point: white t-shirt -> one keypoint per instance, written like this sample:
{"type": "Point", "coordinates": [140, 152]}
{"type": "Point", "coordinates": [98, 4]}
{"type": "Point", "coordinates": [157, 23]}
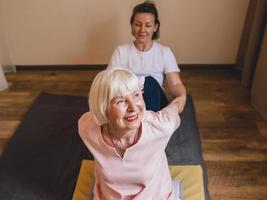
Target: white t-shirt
{"type": "Point", "coordinates": [155, 62]}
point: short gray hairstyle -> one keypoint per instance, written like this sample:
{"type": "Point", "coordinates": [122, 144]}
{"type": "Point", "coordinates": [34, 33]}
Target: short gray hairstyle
{"type": "Point", "coordinates": [108, 84]}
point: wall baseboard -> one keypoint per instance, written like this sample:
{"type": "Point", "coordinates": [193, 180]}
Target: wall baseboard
{"type": "Point", "coordinates": [103, 66]}
{"type": "Point", "coordinates": [207, 66]}
{"type": "Point", "coordinates": [60, 67]}
{"type": "Point", "coordinates": [9, 68]}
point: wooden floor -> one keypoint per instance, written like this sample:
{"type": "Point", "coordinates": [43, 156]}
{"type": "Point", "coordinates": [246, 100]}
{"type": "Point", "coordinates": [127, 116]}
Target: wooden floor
{"type": "Point", "coordinates": [234, 135]}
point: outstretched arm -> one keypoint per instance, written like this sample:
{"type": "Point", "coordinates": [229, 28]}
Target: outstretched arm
{"type": "Point", "coordinates": [177, 89]}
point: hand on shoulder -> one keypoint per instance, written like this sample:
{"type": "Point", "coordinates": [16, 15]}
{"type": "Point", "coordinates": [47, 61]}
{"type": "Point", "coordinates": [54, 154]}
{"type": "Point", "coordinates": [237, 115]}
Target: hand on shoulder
{"type": "Point", "coordinates": [180, 102]}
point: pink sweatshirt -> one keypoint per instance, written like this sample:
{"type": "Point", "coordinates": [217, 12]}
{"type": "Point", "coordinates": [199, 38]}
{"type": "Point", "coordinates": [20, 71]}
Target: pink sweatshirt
{"type": "Point", "coordinates": [142, 173]}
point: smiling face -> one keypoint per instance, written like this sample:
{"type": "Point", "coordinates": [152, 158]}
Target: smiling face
{"type": "Point", "coordinates": [143, 27]}
{"type": "Point", "coordinates": [126, 112]}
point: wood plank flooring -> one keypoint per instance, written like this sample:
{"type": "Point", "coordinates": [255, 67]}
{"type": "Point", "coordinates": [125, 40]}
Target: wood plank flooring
{"type": "Point", "coordinates": [234, 135]}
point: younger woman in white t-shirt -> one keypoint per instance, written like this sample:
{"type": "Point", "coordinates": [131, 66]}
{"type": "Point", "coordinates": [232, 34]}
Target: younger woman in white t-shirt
{"type": "Point", "coordinates": [149, 60]}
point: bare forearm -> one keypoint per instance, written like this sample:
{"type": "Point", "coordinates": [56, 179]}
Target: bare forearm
{"type": "Point", "coordinates": [180, 93]}
{"type": "Point", "coordinates": [178, 90]}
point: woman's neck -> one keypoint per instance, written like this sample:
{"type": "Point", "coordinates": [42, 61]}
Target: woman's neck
{"type": "Point", "coordinates": [121, 140]}
{"type": "Point", "coordinates": [120, 134]}
{"type": "Point", "coordinates": [143, 46]}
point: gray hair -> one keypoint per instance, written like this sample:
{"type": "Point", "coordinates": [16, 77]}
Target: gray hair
{"type": "Point", "coordinates": [108, 84]}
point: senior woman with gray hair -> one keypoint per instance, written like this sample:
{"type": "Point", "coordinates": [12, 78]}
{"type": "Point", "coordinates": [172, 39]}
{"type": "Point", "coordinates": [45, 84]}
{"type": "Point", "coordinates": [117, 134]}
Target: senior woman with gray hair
{"type": "Point", "coordinates": [127, 142]}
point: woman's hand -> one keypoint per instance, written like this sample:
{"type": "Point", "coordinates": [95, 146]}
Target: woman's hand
{"type": "Point", "coordinates": [177, 89]}
{"type": "Point", "coordinates": [180, 102]}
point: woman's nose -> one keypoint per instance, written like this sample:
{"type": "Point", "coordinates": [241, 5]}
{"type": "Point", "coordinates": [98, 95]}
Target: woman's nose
{"type": "Point", "coordinates": [131, 106]}
{"type": "Point", "coordinates": [142, 28]}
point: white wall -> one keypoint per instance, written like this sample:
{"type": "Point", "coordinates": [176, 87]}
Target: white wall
{"type": "Point", "coordinates": [41, 32]}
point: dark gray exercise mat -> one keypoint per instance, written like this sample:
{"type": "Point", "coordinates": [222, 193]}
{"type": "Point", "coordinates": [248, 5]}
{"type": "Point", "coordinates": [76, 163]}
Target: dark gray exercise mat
{"type": "Point", "coordinates": [43, 158]}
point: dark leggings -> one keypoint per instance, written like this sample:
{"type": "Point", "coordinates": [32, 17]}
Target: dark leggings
{"type": "Point", "coordinates": [154, 96]}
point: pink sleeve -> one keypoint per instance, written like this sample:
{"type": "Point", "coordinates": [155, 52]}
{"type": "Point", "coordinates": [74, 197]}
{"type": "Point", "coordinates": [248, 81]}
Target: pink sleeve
{"type": "Point", "coordinates": [167, 120]}
{"type": "Point", "coordinates": [170, 117]}
{"type": "Point", "coordinates": [86, 124]}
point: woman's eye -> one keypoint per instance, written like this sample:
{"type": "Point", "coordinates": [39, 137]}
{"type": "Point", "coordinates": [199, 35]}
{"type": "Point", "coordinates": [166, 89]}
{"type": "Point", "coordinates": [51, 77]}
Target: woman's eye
{"type": "Point", "coordinates": [137, 96]}
{"type": "Point", "coordinates": [120, 101]}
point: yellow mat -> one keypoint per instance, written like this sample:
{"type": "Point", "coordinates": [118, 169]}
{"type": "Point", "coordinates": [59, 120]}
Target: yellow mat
{"type": "Point", "coordinates": [191, 176]}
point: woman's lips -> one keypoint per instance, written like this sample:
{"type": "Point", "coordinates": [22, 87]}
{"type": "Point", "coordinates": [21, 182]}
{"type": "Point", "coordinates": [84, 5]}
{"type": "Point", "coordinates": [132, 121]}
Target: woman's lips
{"type": "Point", "coordinates": [131, 118]}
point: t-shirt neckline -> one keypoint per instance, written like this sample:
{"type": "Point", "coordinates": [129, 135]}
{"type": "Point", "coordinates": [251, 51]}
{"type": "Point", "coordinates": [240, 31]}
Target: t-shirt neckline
{"type": "Point", "coordinates": [143, 52]}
